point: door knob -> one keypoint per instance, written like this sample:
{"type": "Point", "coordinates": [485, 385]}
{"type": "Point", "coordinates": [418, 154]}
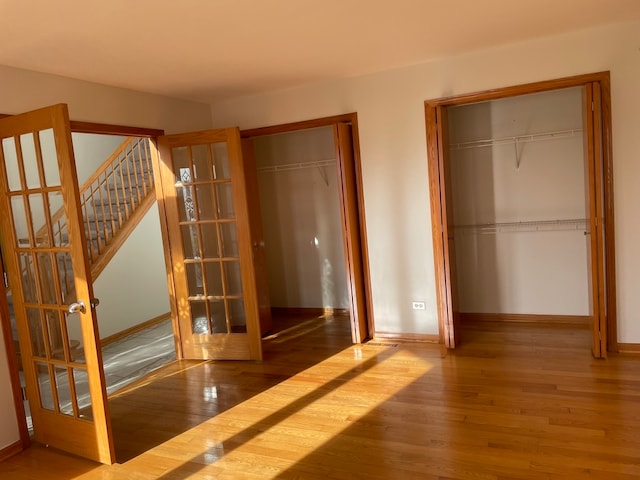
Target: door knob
{"type": "Point", "coordinates": [77, 307]}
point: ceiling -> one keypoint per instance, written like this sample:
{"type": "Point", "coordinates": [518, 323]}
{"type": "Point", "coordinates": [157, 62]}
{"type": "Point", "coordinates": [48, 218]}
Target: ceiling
{"type": "Point", "coordinates": [205, 50]}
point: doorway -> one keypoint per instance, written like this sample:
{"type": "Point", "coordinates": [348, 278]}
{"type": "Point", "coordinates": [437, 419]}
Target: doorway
{"type": "Point", "coordinates": [312, 219]}
{"type": "Point", "coordinates": [455, 215]}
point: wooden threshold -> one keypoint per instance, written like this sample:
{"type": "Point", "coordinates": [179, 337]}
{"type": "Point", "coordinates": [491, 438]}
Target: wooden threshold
{"type": "Point", "coordinates": [582, 320]}
{"type": "Point", "coordinates": [408, 337]}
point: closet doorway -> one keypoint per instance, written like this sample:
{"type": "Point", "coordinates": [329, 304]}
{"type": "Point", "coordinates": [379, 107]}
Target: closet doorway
{"type": "Point", "coordinates": [522, 206]}
{"type": "Point", "coordinates": [311, 254]}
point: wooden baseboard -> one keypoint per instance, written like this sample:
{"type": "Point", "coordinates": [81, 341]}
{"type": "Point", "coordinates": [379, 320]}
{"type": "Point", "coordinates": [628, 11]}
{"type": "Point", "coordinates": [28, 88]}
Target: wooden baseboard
{"type": "Point", "coordinates": [407, 337]}
{"type": "Point", "coordinates": [308, 311]}
{"type": "Point", "coordinates": [526, 318]}
{"type": "Point", "coordinates": [629, 348]}
{"type": "Point", "coordinates": [11, 450]}
{"type": "Point", "coordinates": [136, 328]}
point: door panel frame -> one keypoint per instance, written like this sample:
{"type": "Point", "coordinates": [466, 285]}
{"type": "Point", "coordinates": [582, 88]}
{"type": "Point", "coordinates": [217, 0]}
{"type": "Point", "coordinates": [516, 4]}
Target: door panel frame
{"type": "Point", "coordinates": [247, 346]}
{"type": "Point", "coordinates": [438, 189]}
{"type": "Point", "coordinates": [5, 321]}
{"type": "Point", "coordinates": [93, 439]}
{"type": "Point", "coordinates": [362, 323]}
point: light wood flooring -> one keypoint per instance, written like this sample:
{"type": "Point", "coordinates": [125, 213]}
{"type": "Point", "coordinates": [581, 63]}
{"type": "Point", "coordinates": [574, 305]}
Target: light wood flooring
{"type": "Point", "coordinates": [515, 401]}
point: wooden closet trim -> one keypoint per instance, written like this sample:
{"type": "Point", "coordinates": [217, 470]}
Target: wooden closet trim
{"type": "Point", "coordinates": [433, 110]}
{"type": "Point", "coordinates": [351, 118]}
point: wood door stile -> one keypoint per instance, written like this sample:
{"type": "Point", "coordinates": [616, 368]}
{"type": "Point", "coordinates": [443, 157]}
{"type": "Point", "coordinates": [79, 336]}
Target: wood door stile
{"type": "Point", "coordinates": [77, 431]}
{"type": "Point", "coordinates": [351, 231]}
{"type": "Point", "coordinates": [594, 193]}
{"type": "Point", "coordinates": [257, 236]}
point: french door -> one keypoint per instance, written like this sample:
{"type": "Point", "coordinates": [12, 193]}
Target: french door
{"type": "Point", "coordinates": [48, 272]}
{"type": "Point", "coordinates": [208, 243]}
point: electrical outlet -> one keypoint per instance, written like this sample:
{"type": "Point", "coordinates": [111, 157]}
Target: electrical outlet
{"type": "Point", "coordinates": [418, 305]}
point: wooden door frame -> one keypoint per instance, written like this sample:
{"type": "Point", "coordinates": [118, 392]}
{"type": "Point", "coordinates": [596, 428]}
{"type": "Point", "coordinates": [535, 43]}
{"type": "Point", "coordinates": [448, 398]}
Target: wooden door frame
{"type": "Point", "coordinates": [5, 322]}
{"type": "Point", "coordinates": [436, 159]}
{"type": "Point", "coordinates": [355, 226]}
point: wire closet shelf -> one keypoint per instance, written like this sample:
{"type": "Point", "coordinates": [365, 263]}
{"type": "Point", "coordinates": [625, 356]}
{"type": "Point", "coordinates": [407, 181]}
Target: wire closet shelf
{"type": "Point", "coordinates": [570, 224]}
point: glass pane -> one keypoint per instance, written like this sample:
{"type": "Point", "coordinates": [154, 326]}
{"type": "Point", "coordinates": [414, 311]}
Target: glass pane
{"type": "Point", "coordinates": [44, 386]}
{"type": "Point", "coordinates": [27, 267]}
{"type": "Point", "coordinates": [224, 194]}
{"type": "Point", "coordinates": [199, 321]}
{"type": "Point", "coordinates": [186, 209]}
{"type": "Point", "coordinates": [64, 390]}
{"type": "Point", "coordinates": [71, 322]}
{"type": "Point", "coordinates": [56, 341]}
{"type": "Point", "coordinates": [60, 235]}
{"type": "Point", "coordinates": [83, 397]}
{"type": "Point", "coordinates": [238, 319]}
{"type": "Point", "coordinates": [190, 241]}
{"type": "Point", "coordinates": [206, 208]}
{"type": "Point", "coordinates": [180, 156]}
{"type": "Point", "coordinates": [36, 333]}
{"type": "Point", "coordinates": [214, 279]}
{"type": "Point", "coordinates": [194, 279]}
{"type": "Point", "coordinates": [218, 318]}
{"type": "Point", "coordinates": [11, 163]}
{"type": "Point", "coordinates": [29, 160]}
{"type": "Point", "coordinates": [229, 240]}
{"type": "Point", "coordinates": [201, 162]}
{"type": "Point", "coordinates": [210, 240]}
{"type": "Point", "coordinates": [38, 220]}
{"type": "Point", "coordinates": [66, 277]}
{"type": "Point", "coordinates": [220, 161]}
{"type": "Point", "coordinates": [20, 221]}
{"type": "Point", "coordinates": [46, 277]}
{"type": "Point", "coordinates": [49, 158]}
{"type": "Point", "coordinates": [233, 278]}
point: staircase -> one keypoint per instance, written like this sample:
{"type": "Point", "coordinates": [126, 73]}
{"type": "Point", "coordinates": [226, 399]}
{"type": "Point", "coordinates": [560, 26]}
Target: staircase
{"type": "Point", "coordinates": [113, 201]}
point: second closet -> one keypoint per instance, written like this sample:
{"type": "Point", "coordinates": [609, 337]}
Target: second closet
{"type": "Point", "coordinates": [517, 170]}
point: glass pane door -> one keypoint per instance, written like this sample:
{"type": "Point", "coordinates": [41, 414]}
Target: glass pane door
{"type": "Point", "coordinates": [205, 201]}
{"type": "Point", "coordinates": [46, 262]}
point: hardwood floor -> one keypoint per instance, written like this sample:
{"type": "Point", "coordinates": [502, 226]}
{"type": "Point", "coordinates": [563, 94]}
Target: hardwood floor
{"type": "Point", "coordinates": [515, 401]}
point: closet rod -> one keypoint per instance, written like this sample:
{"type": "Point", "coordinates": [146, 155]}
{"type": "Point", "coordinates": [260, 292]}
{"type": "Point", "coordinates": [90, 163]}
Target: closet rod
{"type": "Point", "coordinates": [297, 166]}
{"type": "Point", "coordinates": [490, 142]}
{"type": "Point", "coordinates": [568, 224]}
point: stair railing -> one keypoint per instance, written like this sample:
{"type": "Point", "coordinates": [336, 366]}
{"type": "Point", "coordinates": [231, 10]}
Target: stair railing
{"type": "Point", "coordinates": [109, 197]}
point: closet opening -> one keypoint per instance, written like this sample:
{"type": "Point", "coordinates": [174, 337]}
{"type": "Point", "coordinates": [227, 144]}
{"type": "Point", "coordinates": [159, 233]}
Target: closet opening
{"type": "Point", "coordinates": [311, 260]}
{"type": "Point", "coordinates": [522, 207]}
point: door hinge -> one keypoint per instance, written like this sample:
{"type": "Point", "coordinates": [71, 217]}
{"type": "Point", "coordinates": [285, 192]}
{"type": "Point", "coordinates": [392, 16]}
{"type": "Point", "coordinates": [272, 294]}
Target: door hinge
{"type": "Point", "coordinates": [6, 279]}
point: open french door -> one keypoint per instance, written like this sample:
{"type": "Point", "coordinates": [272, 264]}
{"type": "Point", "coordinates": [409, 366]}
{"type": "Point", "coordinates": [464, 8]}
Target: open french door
{"type": "Point", "coordinates": [48, 272]}
{"type": "Point", "coordinates": [210, 257]}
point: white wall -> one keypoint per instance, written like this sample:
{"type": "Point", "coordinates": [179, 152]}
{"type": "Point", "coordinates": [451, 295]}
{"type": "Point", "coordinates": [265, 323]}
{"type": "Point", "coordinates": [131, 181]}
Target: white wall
{"type": "Point", "coordinates": [133, 286]}
{"type": "Point", "coordinates": [392, 142]}
{"type": "Point", "coordinates": [520, 271]}
{"type": "Point", "coordinates": [22, 90]}
{"type": "Point", "coordinates": [301, 220]}
{"type": "Point", "coordinates": [9, 433]}
{"type": "Point", "coordinates": [91, 150]}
